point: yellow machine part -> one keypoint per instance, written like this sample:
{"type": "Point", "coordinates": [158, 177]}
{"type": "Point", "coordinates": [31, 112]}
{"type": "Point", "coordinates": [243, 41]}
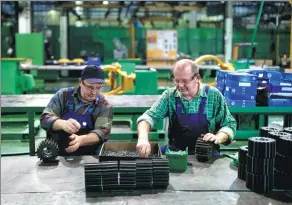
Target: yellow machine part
{"type": "Point", "coordinates": [221, 64]}
{"type": "Point", "coordinates": [127, 80]}
{"type": "Point", "coordinates": [78, 60]}
{"type": "Point", "coordinates": [64, 60]}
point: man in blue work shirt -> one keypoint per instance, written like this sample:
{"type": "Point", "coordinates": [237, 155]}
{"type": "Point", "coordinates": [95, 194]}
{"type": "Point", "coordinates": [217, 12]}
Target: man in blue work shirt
{"type": "Point", "coordinates": [79, 118]}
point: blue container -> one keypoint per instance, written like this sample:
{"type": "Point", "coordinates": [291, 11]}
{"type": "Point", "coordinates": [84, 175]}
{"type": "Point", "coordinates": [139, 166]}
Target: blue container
{"type": "Point", "coordinates": [222, 73]}
{"type": "Point", "coordinates": [280, 95]}
{"type": "Point", "coordinates": [93, 61]}
{"type": "Point", "coordinates": [238, 96]}
{"type": "Point", "coordinates": [241, 103]}
{"type": "Point", "coordinates": [280, 88]}
{"type": "Point", "coordinates": [241, 88]}
{"type": "Point", "coordinates": [220, 80]}
{"type": "Point", "coordinates": [241, 77]}
{"type": "Point", "coordinates": [274, 77]}
{"type": "Point", "coordinates": [287, 76]}
{"type": "Point", "coordinates": [280, 102]}
{"type": "Point", "coordinates": [259, 72]}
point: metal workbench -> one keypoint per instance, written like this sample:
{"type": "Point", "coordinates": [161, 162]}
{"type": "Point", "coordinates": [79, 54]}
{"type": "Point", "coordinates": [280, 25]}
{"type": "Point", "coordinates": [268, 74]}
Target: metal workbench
{"type": "Point", "coordinates": [123, 104]}
{"type": "Point", "coordinates": [25, 181]}
{"type": "Point", "coordinates": [80, 67]}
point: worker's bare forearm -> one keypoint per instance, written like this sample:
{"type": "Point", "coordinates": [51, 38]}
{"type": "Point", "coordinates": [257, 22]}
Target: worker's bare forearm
{"type": "Point", "coordinates": [222, 137]}
{"type": "Point", "coordinates": [89, 139]}
{"type": "Point", "coordinates": [143, 130]}
{"type": "Point", "coordinates": [58, 125]}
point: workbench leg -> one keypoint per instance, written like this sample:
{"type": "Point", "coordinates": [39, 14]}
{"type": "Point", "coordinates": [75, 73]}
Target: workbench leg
{"type": "Point", "coordinates": [31, 133]}
{"type": "Point", "coordinates": [262, 121]}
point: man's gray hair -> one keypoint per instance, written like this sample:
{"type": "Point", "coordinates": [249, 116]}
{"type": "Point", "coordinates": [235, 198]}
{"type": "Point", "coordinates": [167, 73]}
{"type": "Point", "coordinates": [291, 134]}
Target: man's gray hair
{"type": "Point", "coordinates": [184, 63]}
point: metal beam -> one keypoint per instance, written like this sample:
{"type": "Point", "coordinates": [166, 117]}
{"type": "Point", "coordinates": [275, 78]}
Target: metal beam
{"type": "Point", "coordinates": [149, 7]}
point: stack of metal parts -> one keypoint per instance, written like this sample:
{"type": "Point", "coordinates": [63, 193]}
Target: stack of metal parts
{"type": "Point", "coordinates": [127, 175]}
{"type": "Point", "coordinates": [276, 135]}
{"type": "Point", "coordinates": [260, 164]}
{"type": "Point", "coordinates": [144, 174]}
{"type": "Point", "coordinates": [283, 162]}
{"type": "Point", "coordinates": [242, 162]}
{"type": "Point", "coordinates": [288, 129]}
{"type": "Point", "coordinates": [101, 176]}
{"type": "Point", "coordinates": [203, 150]}
{"type": "Point", "coordinates": [264, 131]}
{"type": "Point", "coordinates": [48, 150]}
{"type": "Point", "coordinates": [160, 173]}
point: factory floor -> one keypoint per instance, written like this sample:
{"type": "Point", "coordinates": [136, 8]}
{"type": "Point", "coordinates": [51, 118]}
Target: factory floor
{"type": "Point", "coordinates": [24, 180]}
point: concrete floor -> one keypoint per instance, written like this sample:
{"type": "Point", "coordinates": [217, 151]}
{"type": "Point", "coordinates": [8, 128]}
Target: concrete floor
{"type": "Point", "coordinates": [25, 181]}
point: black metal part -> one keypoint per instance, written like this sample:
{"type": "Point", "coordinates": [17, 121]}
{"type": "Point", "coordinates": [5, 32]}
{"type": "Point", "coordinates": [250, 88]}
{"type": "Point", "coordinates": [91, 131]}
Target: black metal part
{"type": "Point", "coordinates": [242, 155]}
{"type": "Point", "coordinates": [260, 165]}
{"type": "Point", "coordinates": [259, 183]}
{"type": "Point", "coordinates": [283, 163]}
{"type": "Point", "coordinates": [284, 145]}
{"type": "Point", "coordinates": [264, 131]}
{"type": "Point", "coordinates": [48, 150]}
{"type": "Point", "coordinates": [241, 172]}
{"type": "Point", "coordinates": [288, 129]}
{"type": "Point", "coordinates": [112, 155]}
{"type": "Point", "coordinates": [144, 173]}
{"type": "Point", "coordinates": [203, 150]}
{"type": "Point", "coordinates": [127, 175]}
{"type": "Point", "coordinates": [275, 135]}
{"type": "Point", "coordinates": [261, 147]}
{"type": "Point", "coordinates": [282, 180]}
{"type": "Point", "coordinates": [160, 173]}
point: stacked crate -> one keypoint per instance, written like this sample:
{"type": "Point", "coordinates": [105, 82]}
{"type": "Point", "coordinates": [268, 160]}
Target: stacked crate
{"type": "Point", "coordinates": [240, 89]}
{"type": "Point", "coordinates": [220, 80]}
{"type": "Point", "coordinates": [280, 89]}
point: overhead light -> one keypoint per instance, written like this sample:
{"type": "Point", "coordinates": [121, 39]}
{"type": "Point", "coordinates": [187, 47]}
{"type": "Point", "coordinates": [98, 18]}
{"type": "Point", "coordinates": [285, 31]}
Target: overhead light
{"type": "Point", "coordinates": [105, 2]}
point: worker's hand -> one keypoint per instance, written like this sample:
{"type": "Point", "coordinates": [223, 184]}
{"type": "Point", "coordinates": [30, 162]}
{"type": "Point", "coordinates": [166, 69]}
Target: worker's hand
{"type": "Point", "coordinates": [75, 143]}
{"type": "Point", "coordinates": [143, 147]}
{"type": "Point", "coordinates": [209, 137]}
{"type": "Point", "coordinates": [71, 126]}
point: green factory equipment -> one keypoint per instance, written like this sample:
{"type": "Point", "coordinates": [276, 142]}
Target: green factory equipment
{"type": "Point", "coordinates": [13, 80]}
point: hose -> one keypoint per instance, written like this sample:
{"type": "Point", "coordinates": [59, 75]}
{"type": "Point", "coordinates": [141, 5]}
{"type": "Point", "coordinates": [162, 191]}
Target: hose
{"type": "Point", "coordinates": [254, 33]}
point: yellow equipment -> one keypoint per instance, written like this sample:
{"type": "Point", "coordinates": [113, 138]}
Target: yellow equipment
{"type": "Point", "coordinates": [127, 81]}
{"type": "Point", "coordinates": [221, 64]}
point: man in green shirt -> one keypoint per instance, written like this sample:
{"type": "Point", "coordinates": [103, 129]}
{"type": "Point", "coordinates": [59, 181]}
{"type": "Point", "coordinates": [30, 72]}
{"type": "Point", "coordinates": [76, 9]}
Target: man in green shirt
{"type": "Point", "coordinates": [194, 110]}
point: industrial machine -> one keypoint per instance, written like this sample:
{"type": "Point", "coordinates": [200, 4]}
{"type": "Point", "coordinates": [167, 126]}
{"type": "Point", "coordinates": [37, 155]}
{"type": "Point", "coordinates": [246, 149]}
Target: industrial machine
{"type": "Point", "coordinates": [14, 80]}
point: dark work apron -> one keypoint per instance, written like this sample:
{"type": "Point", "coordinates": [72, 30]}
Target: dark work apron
{"type": "Point", "coordinates": [187, 128]}
{"type": "Point", "coordinates": [62, 137]}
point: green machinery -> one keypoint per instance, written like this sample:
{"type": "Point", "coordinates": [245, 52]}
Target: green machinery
{"type": "Point", "coordinates": [13, 80]}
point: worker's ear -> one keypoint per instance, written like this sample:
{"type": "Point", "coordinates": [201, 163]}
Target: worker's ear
{"type": "Point", "coordinates": [198, 76]}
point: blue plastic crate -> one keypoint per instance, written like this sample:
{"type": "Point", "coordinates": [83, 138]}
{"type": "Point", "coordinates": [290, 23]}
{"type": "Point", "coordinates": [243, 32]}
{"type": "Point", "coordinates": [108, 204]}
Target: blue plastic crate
{"type": "Point", "coordinates": [241, 103]}
{"type": "Point", "coordinates": [280, 96]}
{"type": "Point", "coordinates": [279, 89]}
{"type": "Point", "coordinates": [241, 77]}
{"type": "Point", "coordinates": [287, 76]}
{"type": "Point", "coordinates": [274, 77]}
{"type": "Point", "coordinates": [220, 80]}
{"type": "Point", "coordinates": [280, 102]}
{"type": "Point", "coordinates": [259, 72]}
{"type": "Point", "coordinates": [222, 73]}
{"type": "Point", "coordinates": [241, 88]}
{"type": "Point", "coordinates": [238, 96]}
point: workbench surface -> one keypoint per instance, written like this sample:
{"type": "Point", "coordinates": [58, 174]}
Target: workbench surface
{"type": "Point", "coordinates": [25, 181]}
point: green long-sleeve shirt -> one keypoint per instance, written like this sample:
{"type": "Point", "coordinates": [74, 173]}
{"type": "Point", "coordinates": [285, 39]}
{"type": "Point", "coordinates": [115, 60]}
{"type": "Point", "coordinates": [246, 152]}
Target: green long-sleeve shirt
{"type": "Point", "coordinates": [218, 114]}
